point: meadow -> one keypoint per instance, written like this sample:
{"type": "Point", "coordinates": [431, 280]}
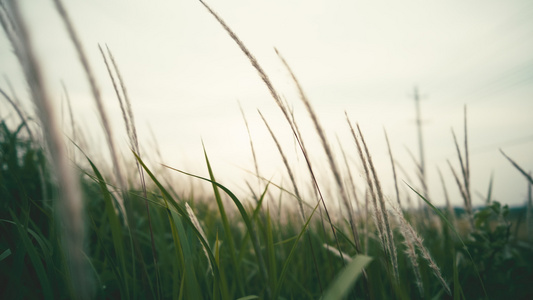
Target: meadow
{"type": "Point", "coordinates": [73, 227]}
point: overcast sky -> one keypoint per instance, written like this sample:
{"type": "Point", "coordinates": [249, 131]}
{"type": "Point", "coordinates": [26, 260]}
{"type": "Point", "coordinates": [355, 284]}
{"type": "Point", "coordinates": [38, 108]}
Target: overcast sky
{"type": "Point", "coordinates": [186, 77]}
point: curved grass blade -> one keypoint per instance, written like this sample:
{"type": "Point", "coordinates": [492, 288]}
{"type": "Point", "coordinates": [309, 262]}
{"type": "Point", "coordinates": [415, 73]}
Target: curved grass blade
{"type": "Point", "coordinates": [344, 281]}
{"type": "Point", "coordinates": [183, 249]}
{"type": "Point", "coordinates": [34, 258]}
{"type": "Point", "coordinates": [271, 251]}
{"type": "Point", "coordinates": [184, 217]}
{"type": "Point", "coordinates": [249, 297]}
{"type": "Point", "coordinates": [114, 225]}
{"type": "Point", "coordinates": [254, 218]}
{"type": "Point", "coordinates": [242, 211]}
{"type": "Point", "coordinates": [227, 229]}
{"type": "Point", "coordinates": [291, 254]}
{"type": "Point", "coordinates": [528, 176]}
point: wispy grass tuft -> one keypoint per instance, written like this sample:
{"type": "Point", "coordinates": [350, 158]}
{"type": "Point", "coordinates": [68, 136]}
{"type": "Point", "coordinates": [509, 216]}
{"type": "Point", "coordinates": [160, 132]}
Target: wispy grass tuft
{"type": "Point", "coordinates": [388, 230]}
{"type": "Point", "coordinates": [380, 213]}
{"type": "Point", "coordinates": [409, 241]}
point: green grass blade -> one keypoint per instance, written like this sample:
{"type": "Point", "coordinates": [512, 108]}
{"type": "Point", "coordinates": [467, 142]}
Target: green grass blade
{"type": "Point", "coordinates": [292, 252]}
{"type": "Point", "coordinates": [345, 237]}
{"type": "Point", "coordinates": [271, 252]}
{"type": "Point", "coordinates": [227, 229]}
{"type": "Point", "coordinates": [457, 291]}
{"type": "Point", "coordinates": [255, 216]}
{"type": "Point", "coordinates": [116, 229]}
{"type": "Point", "coordinates": [185, 218]}
{"type": "Point", "coordinates": [344, 281]}
{"type": "Point", "coordinates": [5, 254]}
{"type": "Point", "coordinates": [181, 240]}
{"type": "Point", "coordinates": [244, 215]}
{"type": "Point", "coordinates": [101, 244]}
{"type": "Point", "coordinates": [34, 258]}
{"type": "Point", "coordinates": [249, 297]}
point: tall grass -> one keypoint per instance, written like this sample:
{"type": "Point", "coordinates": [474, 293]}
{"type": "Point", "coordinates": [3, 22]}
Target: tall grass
{"type": "Point", "coordinates": [76, 234]}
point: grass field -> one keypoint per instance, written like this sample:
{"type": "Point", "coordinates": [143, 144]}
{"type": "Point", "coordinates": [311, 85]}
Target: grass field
{"type": "Point", "coordinates": [70, 230]}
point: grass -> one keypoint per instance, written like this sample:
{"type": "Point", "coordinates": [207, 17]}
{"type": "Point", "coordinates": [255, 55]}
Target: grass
{"type": "Point", "coordinates": [81, 233]}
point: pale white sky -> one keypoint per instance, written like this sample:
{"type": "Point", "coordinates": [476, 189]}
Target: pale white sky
{"type": "Point", "coordinates": [185, 75]}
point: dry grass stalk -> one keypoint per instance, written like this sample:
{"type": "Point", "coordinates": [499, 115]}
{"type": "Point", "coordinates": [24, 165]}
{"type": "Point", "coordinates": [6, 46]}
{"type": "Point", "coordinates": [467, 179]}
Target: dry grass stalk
{"type": "Point", "coordinates": [467, 159]}
{"type": "Point", "coordinates": [117, 92]}
{"type": "Point", "coordinates": [468, 208]}
{"type": "Point", "coordinates": [377, 213]}
{"type": "Point", "coordinates": [327, 149]}
{"type": "Point", "coordinates": [70, 206]}
{"type": "Point", "coordinates": [350, 181]}
{"type": "Point", "coordinates": [529, 213]}
{"type": "Point", "coordinates": [18, 111]}
{"type": "Point", "coordinates": [528, 176]}
{"type": "Point", "coordinates": [287, 167]}
{"type": "Point", "coordinates": [133, 138]}
{"type": "Point", "coordinates": [71, 116]}
{"type": "Point", "coordinates": [11, 29]}
{"type": "Point", "coordinates": [198, 227]}
{"type": "Point", "coordinates": [418, 241]}
{"type": "Point", "coordinates": [280, 104]}
{"type": "Point", "coordinates": [393, 170]}
{"type": "Point", "coordinates": [383, 209]}
{"type": "Point", "coordinates": [265, 79]}
{"type": "Point", "coordinates": [129, 121]}
{"type": "Point", "coordinates": [338, 253]}
{"type": "Point", "coordinates": [248, 54]}
{"type": "Point", "coordinates": [254, 156]}
{"type": "Point", "coordinates": [464, 171]}
{"type": "Point", "coordinates": [127, 112]}
{"type": "Point", "coordinates": [406, 231]}
{"type": "Point", "coordinates": [297, 193]}
{"type": "Point", "coordinates": [449, 207]}
{"type": "Point", "coordinates": [419, 171]}
{"type": "Point", "coordinates": [96, 95]}
{"type": "Point", "coordinates": [465, 185]}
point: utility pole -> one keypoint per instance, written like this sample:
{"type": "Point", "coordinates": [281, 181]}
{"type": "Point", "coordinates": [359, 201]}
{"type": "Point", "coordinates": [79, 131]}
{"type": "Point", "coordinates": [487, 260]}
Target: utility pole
{"type": "Point", "coordinates": [422, 163]}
